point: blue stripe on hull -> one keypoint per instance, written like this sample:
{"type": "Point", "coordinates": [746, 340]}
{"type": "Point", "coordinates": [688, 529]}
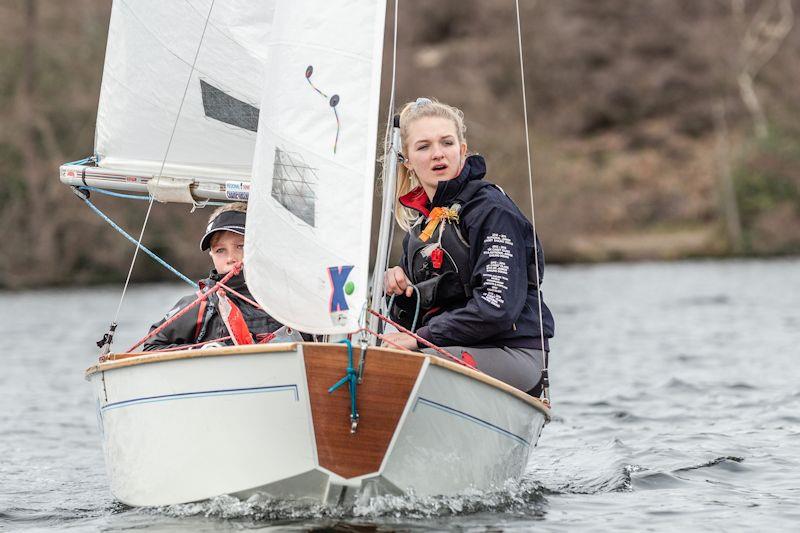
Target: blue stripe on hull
{"type": "Point", "coordinates": [201, 394]}
{"type": "Point", "coordinates": [466, 416]}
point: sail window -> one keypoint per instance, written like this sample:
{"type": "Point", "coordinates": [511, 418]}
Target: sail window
{"type": "Point", "coordinates": [293, 184]}
{"type": "Point", "coordinates": [221, 106]}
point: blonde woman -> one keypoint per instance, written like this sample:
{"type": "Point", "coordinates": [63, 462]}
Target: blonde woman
{"type": "Point", "coordinates": [468, 255]}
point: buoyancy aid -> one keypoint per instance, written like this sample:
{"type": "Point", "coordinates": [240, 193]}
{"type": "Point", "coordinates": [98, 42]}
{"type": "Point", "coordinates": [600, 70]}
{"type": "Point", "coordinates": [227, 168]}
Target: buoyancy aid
{"type": "Point", "coordinates": [438, 262]}
{"type": "Point", "coordinates": [243, 318]}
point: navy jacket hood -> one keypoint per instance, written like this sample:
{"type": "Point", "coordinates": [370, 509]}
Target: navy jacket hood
{"type": "Point", "coordinates": [446, 191]}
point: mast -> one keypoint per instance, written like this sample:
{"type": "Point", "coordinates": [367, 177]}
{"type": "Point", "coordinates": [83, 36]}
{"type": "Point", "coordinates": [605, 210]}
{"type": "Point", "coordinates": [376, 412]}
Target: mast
{"type": "Point", "coordinates": [387, 225]}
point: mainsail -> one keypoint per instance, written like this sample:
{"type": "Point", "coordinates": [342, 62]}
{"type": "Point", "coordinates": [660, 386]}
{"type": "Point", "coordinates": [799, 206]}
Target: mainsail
{"type": "Point", "coordinates": [310, 210]}
{"type": "Point", "coordinates": [213, 52]}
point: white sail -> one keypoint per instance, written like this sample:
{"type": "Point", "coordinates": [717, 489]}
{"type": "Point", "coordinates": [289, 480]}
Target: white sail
{"type": "Point", "coordinates": [309, 216]}
{"type": "Point", "coordinates": [152, 47]}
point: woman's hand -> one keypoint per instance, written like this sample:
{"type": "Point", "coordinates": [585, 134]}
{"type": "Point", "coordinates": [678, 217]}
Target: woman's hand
{"type": "Point", "coordinates": [396, 282]}
{"type": "Point", "coordinates": [401, 339]}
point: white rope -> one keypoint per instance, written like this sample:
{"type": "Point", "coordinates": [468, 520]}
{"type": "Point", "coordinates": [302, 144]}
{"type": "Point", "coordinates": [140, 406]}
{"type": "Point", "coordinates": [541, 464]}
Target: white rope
{"type": "Point", "coordinates": [530, 185]}
{"type": "Point", "coordinates": [387, 139]}
{"type": "Point", "coordinates": [163, 162]}
{"type": "Point", "coordinates": [390, 117]}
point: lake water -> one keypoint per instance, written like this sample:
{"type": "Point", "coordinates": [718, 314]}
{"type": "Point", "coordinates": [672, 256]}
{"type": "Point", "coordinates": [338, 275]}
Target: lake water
{"type": "Point", "coordinates": [676, 392]}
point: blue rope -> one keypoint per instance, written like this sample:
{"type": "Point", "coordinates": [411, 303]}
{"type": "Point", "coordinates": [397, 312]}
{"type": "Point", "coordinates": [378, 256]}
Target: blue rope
{"type": "Point", "coordinates": [81, 161]}
{"type": "Point", "coordinates": [416, 312]}
{"type": "Point", "coordinates": [115, 194]}
{"type": "Point", "coordinates": [351, 378]}
{"type": "Point", "coordinates": [133, 196]}
{"type": "Point", "coordinates": [142, 247]}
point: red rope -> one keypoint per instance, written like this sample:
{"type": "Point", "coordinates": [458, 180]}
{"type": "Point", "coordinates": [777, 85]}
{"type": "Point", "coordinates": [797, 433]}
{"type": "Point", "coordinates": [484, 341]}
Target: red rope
{"type": "Point", "coordinates": [384, 339]}
{"type": "Point", "coordinates": [421, 340]}
{"type": "Point", "coordinates": [266, 338]}
{"type": "Point", "coordinates": [235, 270]}
{"type": "Point", "coordinates": [245, 298]}
{"type": "Point", "coordinates": [116, 356]}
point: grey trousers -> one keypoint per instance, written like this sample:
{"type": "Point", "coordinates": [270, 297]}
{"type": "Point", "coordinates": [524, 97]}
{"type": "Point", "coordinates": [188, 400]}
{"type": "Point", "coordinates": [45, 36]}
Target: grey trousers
{"type": "Point", "coordinates": [519, 367]}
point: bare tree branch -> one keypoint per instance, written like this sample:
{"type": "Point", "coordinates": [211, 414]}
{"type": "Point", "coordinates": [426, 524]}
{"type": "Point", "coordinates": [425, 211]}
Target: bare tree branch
{"type": "Point", "coordinates": [762, 36]}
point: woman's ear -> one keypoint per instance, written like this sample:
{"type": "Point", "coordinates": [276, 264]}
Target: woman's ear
{"type": "Point", "coordinates": [463, 151]}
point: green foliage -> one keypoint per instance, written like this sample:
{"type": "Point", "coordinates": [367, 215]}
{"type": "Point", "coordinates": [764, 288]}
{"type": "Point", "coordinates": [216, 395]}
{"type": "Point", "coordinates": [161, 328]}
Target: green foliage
{"type": "Point", "coordinates": [769, 175]}
{"type": "Point", "coordinates": [12, 185]}
{"type": "Point", "coordinates": [767, 185]}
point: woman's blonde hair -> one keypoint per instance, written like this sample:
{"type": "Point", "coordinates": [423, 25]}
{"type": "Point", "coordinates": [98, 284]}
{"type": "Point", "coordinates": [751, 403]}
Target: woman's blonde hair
{"type": "Point", "coordinates": [406, 179]}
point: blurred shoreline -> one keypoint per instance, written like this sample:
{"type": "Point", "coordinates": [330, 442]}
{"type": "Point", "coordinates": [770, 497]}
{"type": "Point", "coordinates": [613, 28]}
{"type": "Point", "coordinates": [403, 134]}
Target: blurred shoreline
{"type": "Point", "coordinates": [646, 143]}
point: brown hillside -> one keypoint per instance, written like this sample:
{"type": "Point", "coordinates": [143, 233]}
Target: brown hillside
{"type": "Point", "coordinates": [643, 145]}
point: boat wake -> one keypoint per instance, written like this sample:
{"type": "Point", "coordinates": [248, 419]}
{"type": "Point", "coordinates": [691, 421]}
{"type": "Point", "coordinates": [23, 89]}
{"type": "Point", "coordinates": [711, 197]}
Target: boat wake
{"type": "Point", "coordinates": [588, 469]}
{"type": "Point", "coordinates": [729, 462]}
{"type": "Point", "coordinates": [519, 497]}
{"type": "Point", "coordinates": [646, 479]}
{"type": "Point", "coordinates": [522, 498]}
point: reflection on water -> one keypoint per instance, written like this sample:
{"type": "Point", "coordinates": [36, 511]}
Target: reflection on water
{"type": "Point", "coordinates": [675, 392]}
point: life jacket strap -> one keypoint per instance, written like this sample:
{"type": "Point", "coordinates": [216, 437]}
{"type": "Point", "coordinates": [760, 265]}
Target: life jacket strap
{"type": "Point", "coordinates": [201, 312]}
{"type": "Point", "coordinates": [437, 215]}
{"type": "Point", "coordinates": [234, 321]}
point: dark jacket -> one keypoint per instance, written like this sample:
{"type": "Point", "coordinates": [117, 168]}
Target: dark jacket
{"type": "Point", "coordinates": [204, 323]}
{"type": "Point", "coordinates": [503, 307]}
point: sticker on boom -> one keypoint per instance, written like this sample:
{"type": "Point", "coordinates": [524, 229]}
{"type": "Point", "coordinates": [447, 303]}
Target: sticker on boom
{"type": "Point", "coordinates": [237, 190]}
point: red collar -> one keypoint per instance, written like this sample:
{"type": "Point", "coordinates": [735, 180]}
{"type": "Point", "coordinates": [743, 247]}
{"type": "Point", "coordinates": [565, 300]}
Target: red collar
{"type": "Point", "coordinates": [417, 200]}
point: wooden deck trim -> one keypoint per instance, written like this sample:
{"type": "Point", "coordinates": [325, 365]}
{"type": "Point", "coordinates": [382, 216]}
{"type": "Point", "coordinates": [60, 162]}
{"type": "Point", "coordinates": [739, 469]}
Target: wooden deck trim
{"type": "Point", "coordinates": [480, 376]}
{"type": "Point", "coordinates": [141, 358]}
{"type": "Point", "coordinates": [489, 380]}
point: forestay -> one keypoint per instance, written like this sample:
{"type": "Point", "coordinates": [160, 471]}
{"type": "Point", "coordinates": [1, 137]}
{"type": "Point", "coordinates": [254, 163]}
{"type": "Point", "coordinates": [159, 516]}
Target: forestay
{"type": "Point", "coordinates": [152, 46]}
{"type": "Point", "coordinates": [309, 216]}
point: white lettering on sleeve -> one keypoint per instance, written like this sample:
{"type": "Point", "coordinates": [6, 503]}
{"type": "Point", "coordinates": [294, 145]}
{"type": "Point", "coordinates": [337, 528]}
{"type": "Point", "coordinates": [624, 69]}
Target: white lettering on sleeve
{"type": "Point", "coordinates": [496, 275]}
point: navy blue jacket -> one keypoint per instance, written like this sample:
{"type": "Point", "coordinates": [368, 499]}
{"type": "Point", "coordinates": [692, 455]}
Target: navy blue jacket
{"type": "Point", "coordinates": [503, 309]}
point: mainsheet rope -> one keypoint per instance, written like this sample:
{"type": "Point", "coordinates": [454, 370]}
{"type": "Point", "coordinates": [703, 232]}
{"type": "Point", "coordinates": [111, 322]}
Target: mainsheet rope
{"type": "Point", "coordinates": [545, 380]}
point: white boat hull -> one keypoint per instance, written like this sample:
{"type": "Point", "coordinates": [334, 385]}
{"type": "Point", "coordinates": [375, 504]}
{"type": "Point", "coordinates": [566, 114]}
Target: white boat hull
{"type": "Point", "coordinates": [186, 426]}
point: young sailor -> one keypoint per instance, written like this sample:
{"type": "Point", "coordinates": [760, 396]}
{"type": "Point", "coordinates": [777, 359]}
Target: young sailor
{"type": "Point", "coordinates": [224, 240]}
{"type": "Point", "coordinates": [468, 255]}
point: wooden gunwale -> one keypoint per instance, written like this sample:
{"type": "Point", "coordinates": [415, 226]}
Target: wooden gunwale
{"type": "Point", "coordinates": [140, 358]}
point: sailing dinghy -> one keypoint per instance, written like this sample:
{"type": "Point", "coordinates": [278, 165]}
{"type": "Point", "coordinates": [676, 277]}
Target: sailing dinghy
{"type": "Point", "coordinates": [277, 103]}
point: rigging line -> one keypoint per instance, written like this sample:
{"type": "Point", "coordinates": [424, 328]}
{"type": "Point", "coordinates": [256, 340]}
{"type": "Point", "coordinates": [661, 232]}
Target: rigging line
{"type": "Point", "coordinates": [186, 89]}
{"type": "Point", "coordinates": [390, 118]}
{"type": "Point", "coordinates": [115, 194]}
{"type": "Point", "coordinates": [133, 261]}
{"type": "Point", "coordinates": [132, 196]}
{"type": "Point", "coordinates": [80, 161]}
{"type": "Point", "coordinates": [163, 162]}
{"type": "Point", "coordinates": [390, 115]}
{"type": "Point", "coordinates": [131, 239]}
{"type": "Point", "coordinates": [530, 177]}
